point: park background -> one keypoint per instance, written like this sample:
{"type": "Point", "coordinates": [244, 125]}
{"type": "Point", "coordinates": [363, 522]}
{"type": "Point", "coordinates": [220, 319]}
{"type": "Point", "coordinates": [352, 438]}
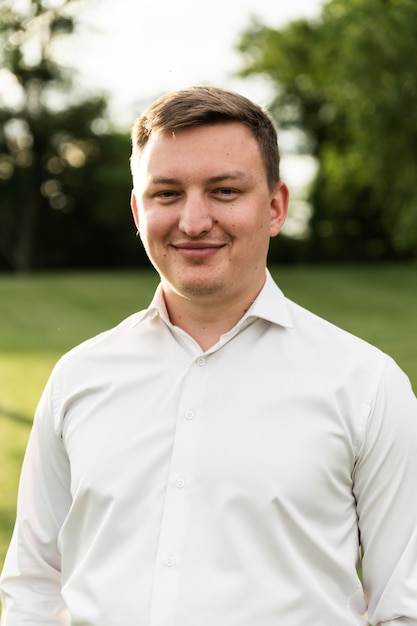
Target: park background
{"type": "Point", "coordinates": [339, 78]}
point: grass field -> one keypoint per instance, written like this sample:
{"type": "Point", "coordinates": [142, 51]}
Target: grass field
{"type": "Point", "coordinates": [42, 316]}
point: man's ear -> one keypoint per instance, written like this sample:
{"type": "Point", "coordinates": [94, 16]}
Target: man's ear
{"type": "Point", "coordinates": [279, 207]}
{"type": "Point", "coordinates": [134, 207]}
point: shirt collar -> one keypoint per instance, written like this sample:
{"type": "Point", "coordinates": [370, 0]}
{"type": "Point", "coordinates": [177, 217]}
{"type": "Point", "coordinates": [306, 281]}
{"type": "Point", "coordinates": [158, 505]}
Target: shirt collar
{"type": "Point", "coordinates": [270, 305]}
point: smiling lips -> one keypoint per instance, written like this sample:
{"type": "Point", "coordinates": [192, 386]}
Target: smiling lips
{"type": "Point", "coordinates": [197, 249]}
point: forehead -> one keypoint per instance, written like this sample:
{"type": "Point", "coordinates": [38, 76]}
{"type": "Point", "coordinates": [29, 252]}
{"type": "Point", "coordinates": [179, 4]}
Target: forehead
{"type": "Point", "coordinates": [227, 145]}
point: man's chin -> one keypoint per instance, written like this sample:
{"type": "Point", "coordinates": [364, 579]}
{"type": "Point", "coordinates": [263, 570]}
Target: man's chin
{"type": "Point", "coordinates": [194, 289]}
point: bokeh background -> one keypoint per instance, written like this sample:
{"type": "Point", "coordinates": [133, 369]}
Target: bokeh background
{"type": "Point", "coordinates": [338, 76]}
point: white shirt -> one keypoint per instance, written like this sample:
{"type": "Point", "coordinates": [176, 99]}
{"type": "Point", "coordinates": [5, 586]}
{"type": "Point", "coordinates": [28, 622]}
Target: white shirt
{"type": "Point", "coordinates": [164, 486]}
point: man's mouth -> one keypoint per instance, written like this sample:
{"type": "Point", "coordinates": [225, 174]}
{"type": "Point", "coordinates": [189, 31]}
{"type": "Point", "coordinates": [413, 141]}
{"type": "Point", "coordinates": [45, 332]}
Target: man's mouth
{"type": "Point", "coordinates": [198, 249]}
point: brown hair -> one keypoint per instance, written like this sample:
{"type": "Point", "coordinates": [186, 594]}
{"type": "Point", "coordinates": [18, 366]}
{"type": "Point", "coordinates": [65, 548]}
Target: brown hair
{"type": "Point", "coordinates": [202, 106]}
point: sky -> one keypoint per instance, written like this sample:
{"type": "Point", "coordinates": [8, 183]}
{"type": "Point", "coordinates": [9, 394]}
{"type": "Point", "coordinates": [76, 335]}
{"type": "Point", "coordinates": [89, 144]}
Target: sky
{"type": "Point", "coordinates": [135, 50]}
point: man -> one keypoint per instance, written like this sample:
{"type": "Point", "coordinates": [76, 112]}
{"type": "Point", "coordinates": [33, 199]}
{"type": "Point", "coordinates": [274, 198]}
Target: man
{"type": "Point", "coordinates": [221, 458]}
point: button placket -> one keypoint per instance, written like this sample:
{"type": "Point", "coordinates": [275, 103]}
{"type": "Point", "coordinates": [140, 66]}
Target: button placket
{"type": "Point", "coordinates": [178, 499]}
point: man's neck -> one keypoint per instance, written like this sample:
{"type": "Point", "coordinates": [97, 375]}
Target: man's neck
{"type": "Point", "coordinates": [206, 320]}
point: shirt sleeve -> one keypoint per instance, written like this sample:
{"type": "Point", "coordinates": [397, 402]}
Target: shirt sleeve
{"type": "Point", "coordinates": [385, 487]}
{"type": "Point", "coordinates": [31, 578]}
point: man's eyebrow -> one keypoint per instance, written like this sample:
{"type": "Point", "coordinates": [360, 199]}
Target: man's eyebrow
{"type": "Point", "coordinates": [162, 180]}
{"type": "Point", "coordinates": [228, 176]}
{"type": "Point", "coordinates": [236, 175]}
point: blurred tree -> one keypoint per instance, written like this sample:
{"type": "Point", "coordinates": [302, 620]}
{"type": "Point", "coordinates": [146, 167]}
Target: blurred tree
{"type": "Point", "coordinates": [59, 169]}
{"type": "Point", "coordinates": [98, 230]}
{"type": "Point", "coordinates": [348, 80]}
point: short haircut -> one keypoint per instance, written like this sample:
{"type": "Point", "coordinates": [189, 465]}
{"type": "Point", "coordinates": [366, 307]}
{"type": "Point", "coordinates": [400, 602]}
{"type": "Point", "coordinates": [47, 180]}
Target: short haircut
{"type": "Point", "coordinates": [204, 106]}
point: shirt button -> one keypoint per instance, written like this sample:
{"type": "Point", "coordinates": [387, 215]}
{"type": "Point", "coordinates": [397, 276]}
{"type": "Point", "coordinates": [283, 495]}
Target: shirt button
{"type": "Point", "coordinates": [201, 361]}
{"type": "Point", "coordinates": [189, 415]}
{"type": "Point", "coordinates": [170, 562]}
{"type": "Point", "coordinates": [179, 483]}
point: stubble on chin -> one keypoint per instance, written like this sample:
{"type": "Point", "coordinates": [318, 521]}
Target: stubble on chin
{"type": "Point", "coordinates": [193, 289]}
{"type": "Point", "coordinates": [197, 286]}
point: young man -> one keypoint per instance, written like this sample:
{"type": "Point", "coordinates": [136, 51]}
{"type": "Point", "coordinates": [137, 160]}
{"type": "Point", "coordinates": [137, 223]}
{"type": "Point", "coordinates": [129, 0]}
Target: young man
{"type": "Point", "coordinates": [221, 458]}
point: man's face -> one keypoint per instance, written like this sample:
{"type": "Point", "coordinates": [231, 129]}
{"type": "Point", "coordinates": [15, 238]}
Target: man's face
{"type": "Point", "coordinates": [204, 211]}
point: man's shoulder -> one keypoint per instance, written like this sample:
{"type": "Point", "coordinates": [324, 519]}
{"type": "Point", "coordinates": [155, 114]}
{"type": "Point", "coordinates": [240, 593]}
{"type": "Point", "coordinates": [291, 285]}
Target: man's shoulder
{"type": "Point", "coordinates": [105, 343]}
{"type": "Point", "coordinates": [312, 328]}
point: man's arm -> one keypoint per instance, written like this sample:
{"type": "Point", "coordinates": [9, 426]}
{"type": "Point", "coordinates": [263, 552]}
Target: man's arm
{"type": "Point", "coordinates": [385, 487]}
{"type": "Point", "coordinates": [31, 578]}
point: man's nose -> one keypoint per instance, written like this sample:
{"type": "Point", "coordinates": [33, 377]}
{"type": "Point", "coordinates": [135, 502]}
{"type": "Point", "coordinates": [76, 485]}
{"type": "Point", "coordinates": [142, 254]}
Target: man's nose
{"type": "Point", "coordinates": [195, 218]}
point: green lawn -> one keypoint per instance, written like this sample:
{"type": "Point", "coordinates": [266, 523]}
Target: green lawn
{"type": "Point", "coordinates": [42, 316]}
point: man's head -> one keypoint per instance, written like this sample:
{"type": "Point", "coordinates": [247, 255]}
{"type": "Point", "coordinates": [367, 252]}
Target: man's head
{"type": "Point", "coordinates": [207, 195]}
{"type": "Point", "coordinates": [203, 106]}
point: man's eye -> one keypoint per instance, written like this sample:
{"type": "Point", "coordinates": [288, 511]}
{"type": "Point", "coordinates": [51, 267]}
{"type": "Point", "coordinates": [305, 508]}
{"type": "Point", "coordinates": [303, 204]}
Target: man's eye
{"type": "Point", "coordinates": [226, 191]}
{"type": "Point", "coordinates": [166, 194]}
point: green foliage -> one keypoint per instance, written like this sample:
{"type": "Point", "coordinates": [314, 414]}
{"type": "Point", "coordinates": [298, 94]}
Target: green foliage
{"type": "Point", "coordinates": [64, 183]}
{"type": "Point", "coordinates": [347, 80]}
{"type": "Point", "coordinates": [97, 230]}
